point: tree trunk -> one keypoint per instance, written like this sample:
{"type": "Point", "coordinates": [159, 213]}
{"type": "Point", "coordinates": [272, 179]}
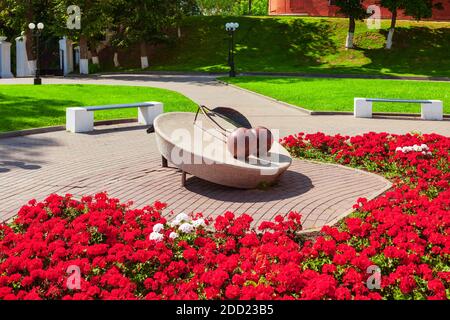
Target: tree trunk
{"type": "Point", "coordinates": [144, 55]}
{"type": "Point", "coordinates": [31, 56]}
{"type": "Point", "coordinates": [29, 34]}
{"type": "Point", "coordinates": [84, 62]}
{"type": "Point", "coordinates": [391, 30]}
{"type": "Point", "coordinates": [351, 33]}
{"type": "Point", "coordinates": [29, 45]}
{"type": "Point", "coordinates": [83, 47]}
{"type": "Point", "coordinates": [116, 59]}
{"type": "Point", "coordinates": [249, 7]}
{"type": "Point", "coordinates": [94, 53]}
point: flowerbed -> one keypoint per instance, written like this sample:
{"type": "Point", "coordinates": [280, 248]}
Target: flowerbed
{"type": "Point", "coordinates": [124, 253]}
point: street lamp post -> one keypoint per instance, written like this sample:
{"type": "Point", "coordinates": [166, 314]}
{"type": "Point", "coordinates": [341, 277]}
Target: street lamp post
{"type": "Point", "coordinates": [231, 28]}
{"type": "Point", "coordinates": [36, 30]}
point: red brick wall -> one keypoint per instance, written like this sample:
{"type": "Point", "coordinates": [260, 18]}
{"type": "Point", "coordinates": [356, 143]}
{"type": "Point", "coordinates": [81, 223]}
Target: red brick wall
{"type": "Point", "coordinates": [322, 8]}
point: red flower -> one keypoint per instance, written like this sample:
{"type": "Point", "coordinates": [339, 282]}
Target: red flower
{"type": "Point", "coordinates": [232, 292]}
{"type": "Point", "coordinates": [190, 254]}
{"type": "Point", "coordinates": [343, 293]}
{"type": "Point", "coordinates": [404, 234]}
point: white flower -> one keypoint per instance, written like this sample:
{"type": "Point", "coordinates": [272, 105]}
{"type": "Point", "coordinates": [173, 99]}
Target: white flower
{"type": "Point", "coordinates": [182, 217]}
{"type": "Point", "coordinates": [158, 227]}
{"type": "Point", "coordinates": [430, 153]}
{"type": "Point", "coordinates": [199, 222]}
{"type": "Point", "coordinates": [173, 235]}
{"type": "Point", "coordinates": [422, 148]}
{"type": "Point", "coordinates": [186, 228]}
{"type": "Point", "coordinates": [156, 236]}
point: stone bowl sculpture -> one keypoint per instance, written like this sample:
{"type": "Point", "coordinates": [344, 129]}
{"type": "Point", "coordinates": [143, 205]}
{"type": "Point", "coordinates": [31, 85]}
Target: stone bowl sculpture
{"type": "Point", "coordinates": [197, 144]}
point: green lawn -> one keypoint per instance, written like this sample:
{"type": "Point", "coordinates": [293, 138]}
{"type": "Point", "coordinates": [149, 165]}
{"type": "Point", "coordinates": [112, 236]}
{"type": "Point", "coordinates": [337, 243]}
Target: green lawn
{"type": "Point", "coordinates": [28, 106]}
{"type": "Point", "coordinates": [338, 94]}
{"type": "Point", "coordinates": [306, 44]}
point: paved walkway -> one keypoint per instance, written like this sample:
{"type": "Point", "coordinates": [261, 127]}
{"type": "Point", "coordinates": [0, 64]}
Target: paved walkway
{"type": "Point", "coordinates": [123, 160]}
{"type": "Point", "coordinates": [125, 163]}
{"type": "Point", "coordinates": [203, 89]}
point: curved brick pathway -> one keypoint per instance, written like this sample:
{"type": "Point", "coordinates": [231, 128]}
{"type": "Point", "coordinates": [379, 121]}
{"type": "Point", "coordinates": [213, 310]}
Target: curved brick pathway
{"type": "Point", "coordinates": [123, 160]}
{"type": "Point", "coordinates": [204, 89]}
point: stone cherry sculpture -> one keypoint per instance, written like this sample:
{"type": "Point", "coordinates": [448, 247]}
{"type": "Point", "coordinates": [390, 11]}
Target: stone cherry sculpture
{"type": "Point", "coordinates": [217, 164]}
{"type": "Point", "coordinates": [238, 142]}
{"type": "Point", "coordinates": [244, 142]}
{"type": "Point", "coordinates": [264, 140]}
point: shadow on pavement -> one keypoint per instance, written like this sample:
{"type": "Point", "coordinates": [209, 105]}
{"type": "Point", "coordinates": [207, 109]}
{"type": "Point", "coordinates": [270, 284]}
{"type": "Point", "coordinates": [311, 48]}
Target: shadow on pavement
{"type": "Point", "coordinates": [13, 151]}
{"type": "Point", "coordinates": [291, 184]}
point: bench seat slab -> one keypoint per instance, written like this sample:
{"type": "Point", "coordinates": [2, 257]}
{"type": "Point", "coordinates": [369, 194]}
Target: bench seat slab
{"type": "Point", "coordinates": [431, 109]}
{"type": "Point", "coordinates": [81, 119]}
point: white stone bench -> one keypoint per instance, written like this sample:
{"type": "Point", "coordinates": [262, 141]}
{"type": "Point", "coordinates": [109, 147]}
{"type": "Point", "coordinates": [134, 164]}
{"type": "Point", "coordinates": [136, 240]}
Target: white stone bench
{"type": "Point", "coordinates": [81, 119]}
{"type": "Point", "coordinates": [431, 109]}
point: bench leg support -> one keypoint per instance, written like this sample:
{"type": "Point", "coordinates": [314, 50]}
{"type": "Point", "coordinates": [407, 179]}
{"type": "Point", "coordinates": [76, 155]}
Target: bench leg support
{"type": "Point", "coordinates": [164, 162]}
{"type": "Point", "coordinates": [79, 120]}
{"type": "Point", "coordinates": [433, 111]}
{"type": "Point", "coordinates": [146, 115]}
{"type": "Point", "coordinates": [183, 178]}
{"type": "Point", "coordinates": [363, 108]}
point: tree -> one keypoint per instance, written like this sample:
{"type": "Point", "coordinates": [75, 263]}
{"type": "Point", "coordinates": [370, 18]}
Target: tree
{"type": "Point", "coordinates": [136, 22]}
{"type": "Point", "coordinates": [147, 21]}
{"type": "Point", "coordinates": [393, 6]}
{"type": "Point", "coordinates": [15, 15]}
{"type": "Point", "coordinates": [184, 8]}
{"type": "Point", "coordinates": [95, 20]}
{"type": "Point", "coordinates": [418, 9]}
{"type": "Point", "coordinates": [258, 7]}
{"type": "Point", "coordinates": [53, 13]}
{"type": "Point", "coordinates": [421, 9]}
{"type": "Point", "coordinates": [5, 12]}
{"type": "Point", "coordinates": [354, 10]}
{"type": "Point", "coordinates": [233, 7]}
{"type": "Point", "coordinates": [14, 18]}
{"type": "Point", "coordinates": [250, 7]}
{"type": "Point", "coordinates": [216, 7]}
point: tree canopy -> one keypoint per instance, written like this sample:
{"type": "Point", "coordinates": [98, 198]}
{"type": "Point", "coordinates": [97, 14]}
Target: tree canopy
{"type": "Point", "coordinates": [418, 9]}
